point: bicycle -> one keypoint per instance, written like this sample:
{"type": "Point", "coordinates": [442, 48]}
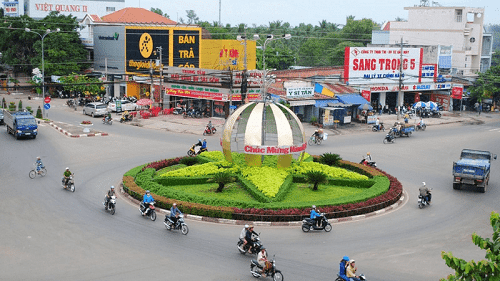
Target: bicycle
{"type": "Point", "coordinates": [34, 172]}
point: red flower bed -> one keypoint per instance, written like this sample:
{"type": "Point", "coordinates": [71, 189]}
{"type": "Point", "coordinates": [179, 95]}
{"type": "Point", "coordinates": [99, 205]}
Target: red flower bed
{"type": "Point", "coordinates": [158, 165]}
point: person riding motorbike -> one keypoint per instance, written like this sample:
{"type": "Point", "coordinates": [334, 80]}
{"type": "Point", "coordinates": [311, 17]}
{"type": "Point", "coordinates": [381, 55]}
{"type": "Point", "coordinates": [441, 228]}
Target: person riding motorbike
{"type": "Point", "coordinates": [248, 238]}
{"type": "Point", "coordinates": [342, 268]}
{"type": "Point", "coordinates": [425, 192]}
{"type": "Point", "coordinates": [108, 117]}
{"type": "Point", "coordinates": [351, 271]}
{"type": "Point", "coordinates": [111, 192]}
{"type": "Point", "coordinates": [421, 122]}
{"type": "Point", "coordinates": [318, 134]}
{"type": "Point", "coordinates": [125, 115]}
{"type": "Point", "coordinates": [146, 200]}
{"type": "Point", "coordinates": [174, 213]}
{"type": "Point", "coordinates": [67, 174]}
{"type": "Point", "coordinates": [377, 123]}
{"type": "Point", "coordinates": [203, 146]}
{"type": "Point", "coordinates": [368, 157]}
{"type": "Point", "coordinates": [209, 125]}
{"type": "Point", "coordinates": [315, 216]}
{"type": "Point", "coordinates": [244, 232]}
{"type": "Point", "coordinates": [263, 261]}
{"type": "Point", "coordinates": [39, 164]}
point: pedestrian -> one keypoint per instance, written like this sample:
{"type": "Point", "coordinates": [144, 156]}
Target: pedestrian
{"type": "Point", "coordinates": [386, 108]}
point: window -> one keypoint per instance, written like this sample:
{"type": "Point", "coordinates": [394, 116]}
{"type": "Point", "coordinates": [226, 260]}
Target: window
{"type": "Point", "coordinates": [110, 9]}
{"type": "Point", "coordinates": [458, 15]}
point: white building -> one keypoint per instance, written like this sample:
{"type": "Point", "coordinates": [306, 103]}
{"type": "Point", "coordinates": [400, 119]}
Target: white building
{"type": "Point", "coordinates": [458, 27]}
{"type": "Point", "coordinates": [39, 9]}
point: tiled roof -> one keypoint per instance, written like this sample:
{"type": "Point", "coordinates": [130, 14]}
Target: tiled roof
{"type": "Point", "coordinates": [309, 72]}
{"type": "Point", "coordinates": [95, 18]}
{"type": "Point", "coordinates": [137, 15]}
{"type": "Point", "coordinates": [340, 88]}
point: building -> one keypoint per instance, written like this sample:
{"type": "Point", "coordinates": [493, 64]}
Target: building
{"type": "Point", "coordinates": [39, 9]}
{"type": "Point", "coordinates": [459, 27]}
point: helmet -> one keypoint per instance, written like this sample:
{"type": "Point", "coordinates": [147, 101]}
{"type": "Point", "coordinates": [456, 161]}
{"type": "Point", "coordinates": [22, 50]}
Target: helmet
{"type": "Point", "coordinates": [345, 258]}
{"type": "Point", "coordinates": [175, 204]}
{"type": "Point", "coordinates": [112, 187]}
{"type": "Point", "coordinates": [147, 192]}
{"type": "Point", "coordinates": [38, 158]}
{"type": "Point", "coordinates": [67, 168]}
{"type": "Point", "coordinates": [199, 140]}
{"type": "Point", "coordinates": [423, 183]}
{"type": "Point", "coordinates": [314, 206]}
{"type": "Point", "coordinates": [368, 153]}
{"type": "Point", "coordinates": [204, 139]}
{"type": "Point", "coordinates": [247, 226]}
{"type": "Point", "coordinates": [351, 261]}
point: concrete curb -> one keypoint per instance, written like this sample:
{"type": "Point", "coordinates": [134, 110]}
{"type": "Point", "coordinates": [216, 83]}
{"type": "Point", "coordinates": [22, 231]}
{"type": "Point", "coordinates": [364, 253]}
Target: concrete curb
{"type": "Point", "coordinates": [76, 135]}
{"type": "Point", "coordinates": [266, 223]}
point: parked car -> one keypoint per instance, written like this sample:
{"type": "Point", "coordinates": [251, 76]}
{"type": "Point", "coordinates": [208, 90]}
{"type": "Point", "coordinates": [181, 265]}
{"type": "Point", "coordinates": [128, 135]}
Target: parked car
{"type": "Point", "coordinates": [95, 109]}
{"type": "Point", "coordinates": [1, 117]}
{"type": "Point", "coordinates": [126, 105]}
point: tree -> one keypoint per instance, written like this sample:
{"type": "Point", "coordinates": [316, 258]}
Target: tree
{"type": "Point", "coordinates": [81, 84]}
{"type": "Point", "coordinates": [159, 12]}
{"type": "Point", "coordinates": [192, 17]}
{"type": "Point", "coordinates": [337, 54]}
{"type": "Point", "coordinates": [279, 57]}
{"type": "Point", "coordinates": [316, 177]}
{"type": "Point", "coordinates": [330, 159]}
{"type": "Point", "coordinates": [487, 85]}
{"type": "Point", "coordinates": [485, 269]}
{"type": "Point", "coordinates": [222, 178]}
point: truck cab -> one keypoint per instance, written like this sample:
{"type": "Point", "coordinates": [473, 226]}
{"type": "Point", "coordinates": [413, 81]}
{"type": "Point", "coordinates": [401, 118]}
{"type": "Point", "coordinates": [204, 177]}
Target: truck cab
{"type": "Point", "coordinates": [473, 168]}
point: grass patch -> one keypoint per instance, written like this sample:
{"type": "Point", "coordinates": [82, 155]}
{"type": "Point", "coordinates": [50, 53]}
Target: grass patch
{"type": "Point", "coordinates": [233, 191]}
{"type": "Point", "coordinates": [170, 168]}
{"type": "Point", "coordinates": [303, 192]}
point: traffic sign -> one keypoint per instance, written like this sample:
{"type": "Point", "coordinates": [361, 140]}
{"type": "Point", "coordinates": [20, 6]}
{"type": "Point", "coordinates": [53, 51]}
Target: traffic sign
{"type": "Point", "coordinates": [46, 106]}
{"type": "Point", "coordinates": [47, 100]}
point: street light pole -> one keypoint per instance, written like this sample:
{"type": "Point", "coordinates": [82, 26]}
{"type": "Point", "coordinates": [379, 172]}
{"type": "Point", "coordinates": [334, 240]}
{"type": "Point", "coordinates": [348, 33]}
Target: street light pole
{"type": "Point", "coordinates": [269, 38]}
{"type": "Point", "coordinates": [47, 32]}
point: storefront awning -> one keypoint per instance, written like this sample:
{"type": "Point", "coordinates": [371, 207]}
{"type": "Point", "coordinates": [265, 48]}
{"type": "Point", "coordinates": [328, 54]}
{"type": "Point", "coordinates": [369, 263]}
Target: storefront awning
{"type": "Point", "coordinates": [354, 99]}
{"type": "Point", "coordinates": [301, 102]}
{"type": "Point", "coordinates": [331, 108]}
{"type": "Point", "coordinates": [323, 103]}
{"type": "Point", "coordinates": [339, 105]}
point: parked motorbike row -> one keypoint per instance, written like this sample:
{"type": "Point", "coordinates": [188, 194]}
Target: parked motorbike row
{"type": "Point", "coordinates": [193, 112]}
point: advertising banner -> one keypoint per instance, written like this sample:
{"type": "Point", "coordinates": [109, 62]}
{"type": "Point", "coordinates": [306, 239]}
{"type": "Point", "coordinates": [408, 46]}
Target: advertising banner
{"type": "Point", "coordinates": [274, 150]}
{"type": "Point", "coordinates": [141, 46]}
{"type": "Point", "coordinates": [366, 94]}
{"type": "Point", "coordinates": [186, 52]}
{"type": "Point", "coordinates": [368, 65]}
{"type": "Point", "coordinates": [208, 93]}
{"type": "Point", "coordinates": [227, 54]}
{"type": "Point", "coordinates": [457, 92]}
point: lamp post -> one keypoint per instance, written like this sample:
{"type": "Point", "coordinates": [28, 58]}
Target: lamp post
{"type": "Point", "coordinates": [269, 38]}
{"type": "Point", "coordinates": [47, 32]}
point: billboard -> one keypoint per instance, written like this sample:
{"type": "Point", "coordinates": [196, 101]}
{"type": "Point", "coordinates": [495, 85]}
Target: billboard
{"type": "Point", "coordinates": [227, 54]}
{"type": "Point", "coordinates": [186, 52]}
{"type": "Point", "coordinates": [369, 65]}
{"type": "Point", "coordinates": [140, 46]}
{"type": "Point", "coordinates": [109, 49]}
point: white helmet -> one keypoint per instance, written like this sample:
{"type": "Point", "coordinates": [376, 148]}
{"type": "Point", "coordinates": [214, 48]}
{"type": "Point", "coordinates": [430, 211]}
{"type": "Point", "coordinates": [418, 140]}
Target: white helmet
{"type": "Point", "coordinates": [247, 226]}
{"type": "Point", "coordinates": [67, 168]}
{"type": "Point", "coordinates": [314, 206]}
{"type": "Point", "coordinates": [423, 183]}
{"type": "Point", "coordinates": [112, 187]}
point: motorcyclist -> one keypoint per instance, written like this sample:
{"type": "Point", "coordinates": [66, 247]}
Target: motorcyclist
{"type": "Point", "coordinates": [174, 213]}
{"type": "Point", "coordinates": [203, 146]}
{"type": "Point", "coordinates": [209, 125]}
{"type": "Point", "coordinates": [425, 192]}
{"type": "Point", "coordinates": [421, 122]}
{"type": "Point", "coordinates": [368, 157]}
{"type": "Point", "coordinates": [125, 115]}
{"type": "Point", "coordinates": [377, 123]}
{"type": "Point", "coordinates": [263, 261]}
{"type": "Point", "coordinates": [146, 200]}
{"type": "Point", "coordinates": [108, 117]}
{"type": "Point", "coordinates": [342, 268]}
{"type": "Point", "coordinates": [248, 238]}
{"type": "Point", "coordinates": [39, 164]}
{"type": "Point", "coordinates": [318, 134]}
{"type": "Point", "coordinates": [315, 216]}
{"type": "Point", "coordinates": [351, 271]}
{"type": "Point", "coordinates": [398, 127]}
{"type": "Point", "coordinates": [67, 174]}
{"type": "Point", "coordinates": [111, 192]}
{"type": "Point", "coordinates": [243, 232]}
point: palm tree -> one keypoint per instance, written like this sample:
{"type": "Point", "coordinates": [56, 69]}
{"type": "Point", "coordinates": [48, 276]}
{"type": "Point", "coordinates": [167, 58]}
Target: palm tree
{"type": "Point", "coordinates": [316, 177]}
{"type": "Point", "coordinates": [330, 159]}
{"type": "Point", "coordinates": [222, 178]}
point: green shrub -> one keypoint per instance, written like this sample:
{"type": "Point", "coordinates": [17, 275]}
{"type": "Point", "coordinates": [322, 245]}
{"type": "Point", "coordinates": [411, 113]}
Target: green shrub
{"type": "Point", "coordinates": [39, 113]}
{"type": "Point", "coordinates": [4, 103]}
{"type": "Point", "coordinates": [316, 177]}
{"type": "Point", "coordinates": [330, 159]}
{"type": "Point", "coordinates": [12, 106]}
{"type": "Point", "coordinates": [222, 178]}
{"type": "Point", "coordinates": [189, 161]}
{"type": "Point", "coordinates": [29, 109]}
{"type": "Point", "coordinates": [20, 105]}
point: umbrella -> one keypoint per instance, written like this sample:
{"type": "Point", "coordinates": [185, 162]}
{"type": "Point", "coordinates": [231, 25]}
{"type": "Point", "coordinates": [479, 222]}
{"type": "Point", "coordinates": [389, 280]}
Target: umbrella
{"type": "Point", "coordinates": [419, 104]}
{"type": "Point", "coordinates": [365, 107]}
{"type": "Point", "coordinates": [143, 102]}
{"type": "Point", "coordinates": [432, 105]}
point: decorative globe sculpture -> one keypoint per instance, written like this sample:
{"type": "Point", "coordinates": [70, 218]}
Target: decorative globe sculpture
{"type": "Point", "coordinates": [264, 128]}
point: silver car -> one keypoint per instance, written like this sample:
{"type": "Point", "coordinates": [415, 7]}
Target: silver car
{"type": "Point", "coordinates": [95, 109]}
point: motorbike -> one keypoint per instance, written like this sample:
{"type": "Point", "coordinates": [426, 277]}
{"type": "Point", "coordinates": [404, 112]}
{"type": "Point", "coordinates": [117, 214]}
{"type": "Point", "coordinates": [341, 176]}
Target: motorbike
{"type": "Point", "coordinates": [368, 163]}
{"type": "Point", "coordinates": [361, 277]}
{"type": "Point", "coordinates": [70, 185]}
{"type": "Point", "coordinates": [108, 121]}
{"type": "Point", "coordinates": [435, 113]}
{"type": "Point", "coordinates": [422, 202]}
{"type": "Point", "coordinates": [389, 138]}
{"type": "Point", "coordinates": [420, 127]}
{"type": "Point", "coordinates": [110, 206]}
{"type": "Point", "coordinates": [257, 245]}
{"type": "Point", "coordinates": [34, 172]}
{"type": "Point", "coordinates": [126, 118]}
{"type": "Point", "coordinates": [209, 131]}
{"type": "Point", "coordinates": [169, 224]}
{"type": "Point", "coordinates": [376, 129]}
{"type": "Point", "coordinates": [150, 212]}
{"type": "Point", "coordinates": [309, 224]}
{"type": "Point", "coordinates": [178, 110]}
{"type": "Point", "coordinates": [192, 151]}
{"type": "Point", "coordinates": [257, 270]}
{"type": "Point", "coordinates": [71, 103]}
{"type": "Point", "coordinates": [314, 140]}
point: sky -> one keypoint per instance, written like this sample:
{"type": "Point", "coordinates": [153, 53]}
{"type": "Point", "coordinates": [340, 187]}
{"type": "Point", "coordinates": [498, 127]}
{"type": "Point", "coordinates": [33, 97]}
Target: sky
{"type": "Point", "coordinates": [261, 12]}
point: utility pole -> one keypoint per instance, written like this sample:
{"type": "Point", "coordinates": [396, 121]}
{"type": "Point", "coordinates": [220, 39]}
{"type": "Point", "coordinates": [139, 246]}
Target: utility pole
{"type": "Point", "coordinates": [160, 49]}
{"type": "Point", "coordinates": [230, 90]}
{"type": "Point", "coordinates": [151, 96]}
{"type": "Point", "coordinates": [400, 90]}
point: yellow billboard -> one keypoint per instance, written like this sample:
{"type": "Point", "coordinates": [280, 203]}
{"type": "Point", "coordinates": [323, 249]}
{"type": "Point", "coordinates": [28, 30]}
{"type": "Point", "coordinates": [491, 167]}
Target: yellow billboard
{"type": "Point", "coordinates": [227, 54]}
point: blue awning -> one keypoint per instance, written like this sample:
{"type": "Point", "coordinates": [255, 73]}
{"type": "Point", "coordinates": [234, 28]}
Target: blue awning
{"type": "Point", "coordinates": [324, 103]}
{"type": "Point", "coordinates": [352, 99]}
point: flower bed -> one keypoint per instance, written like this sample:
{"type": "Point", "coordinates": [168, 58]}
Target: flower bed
{"type": "Point", "coordinates": [86, 122]}
{"type": "Point", "coordinates": [381, 190]}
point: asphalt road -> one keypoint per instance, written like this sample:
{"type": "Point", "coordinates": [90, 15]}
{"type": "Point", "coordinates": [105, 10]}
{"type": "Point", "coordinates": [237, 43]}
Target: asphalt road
{"type": "Point", "coordinates": [51, 234]}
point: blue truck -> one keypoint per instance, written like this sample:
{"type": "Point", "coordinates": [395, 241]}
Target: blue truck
{"type": "Point", "coordinates": [20, 124]}
{"type": "Point", "coordinates": [473, 168]}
